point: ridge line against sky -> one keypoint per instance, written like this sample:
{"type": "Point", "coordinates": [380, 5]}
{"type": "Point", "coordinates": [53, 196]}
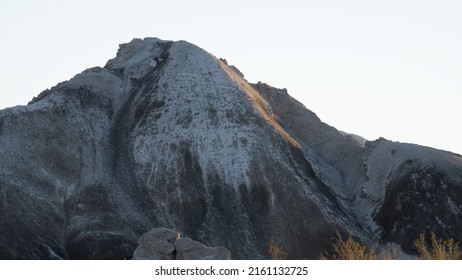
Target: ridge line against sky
{"type": "Point", "coordinates": [372, 68]}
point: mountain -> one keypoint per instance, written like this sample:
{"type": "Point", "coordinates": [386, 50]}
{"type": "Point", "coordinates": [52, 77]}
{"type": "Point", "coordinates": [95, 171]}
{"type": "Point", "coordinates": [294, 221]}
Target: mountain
{"type": "Point", "coordinates": [167, 135]}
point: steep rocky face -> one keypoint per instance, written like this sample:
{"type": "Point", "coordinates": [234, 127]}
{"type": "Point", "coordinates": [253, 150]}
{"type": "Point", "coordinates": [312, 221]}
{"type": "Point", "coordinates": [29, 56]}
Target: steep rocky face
{"type": "Point", "coordinates": [336, 156]}
{"type": "Point", "coordinates": [166, 135]}
{"type": "Point", "coordinates": [340, 150]}
{"type": "Point", "coordinates": [422, 192]}
{"type": "Point", "coordinates": [394, 190]}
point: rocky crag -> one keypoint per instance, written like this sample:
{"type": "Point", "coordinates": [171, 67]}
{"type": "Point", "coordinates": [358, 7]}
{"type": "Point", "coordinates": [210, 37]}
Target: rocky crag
{"type": "Point", "coordinates": [167, 135]}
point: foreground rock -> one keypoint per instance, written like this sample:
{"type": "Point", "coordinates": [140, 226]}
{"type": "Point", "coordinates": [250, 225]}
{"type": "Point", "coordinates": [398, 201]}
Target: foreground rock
{"type": "Point", "coordinates": [165, 244]}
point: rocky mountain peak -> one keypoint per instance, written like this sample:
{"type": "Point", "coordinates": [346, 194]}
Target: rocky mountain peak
{"type": "Point", "coordinates": [167, 135]}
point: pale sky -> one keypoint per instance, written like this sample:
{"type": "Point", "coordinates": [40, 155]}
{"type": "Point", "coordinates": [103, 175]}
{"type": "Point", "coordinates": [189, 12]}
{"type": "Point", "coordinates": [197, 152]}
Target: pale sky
{"type": "Point", "coordinates": [373, 68]}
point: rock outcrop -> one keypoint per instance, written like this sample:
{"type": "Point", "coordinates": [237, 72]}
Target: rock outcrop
{"type": "Point", "coordinates": [167, 135]}
{"type": "Point", "coordinates": [165, 244]}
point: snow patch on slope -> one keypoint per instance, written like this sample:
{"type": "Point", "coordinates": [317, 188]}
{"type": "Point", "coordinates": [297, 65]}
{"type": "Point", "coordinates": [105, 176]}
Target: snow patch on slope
{"type": "Point", "coordinates": [190, 96]}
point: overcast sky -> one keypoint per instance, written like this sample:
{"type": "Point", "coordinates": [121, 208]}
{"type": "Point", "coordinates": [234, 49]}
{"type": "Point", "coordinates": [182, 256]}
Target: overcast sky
{"type": "Point", "coordinates": [372, 68]}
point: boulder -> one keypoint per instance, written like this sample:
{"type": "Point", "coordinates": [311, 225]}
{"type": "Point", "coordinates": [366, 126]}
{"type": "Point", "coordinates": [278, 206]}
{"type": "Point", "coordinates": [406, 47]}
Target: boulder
{"type": "Point", "coordinates": [156, 244]}
{"type": "Point", "coordinates": [206, 253]}
{"type": "Point", "coordinates": [185, 245]}
{"type": "Point", "coordinates": [165, 244]}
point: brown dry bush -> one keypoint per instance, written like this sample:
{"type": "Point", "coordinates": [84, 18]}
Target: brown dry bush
{"type": "Point", "coordinates": [435, 249]}
{"type": "Point", "coordinates": [350, 249]}
{"type": "Point", "coordinates": [439, 250]}
{"type": "Point", "coordinates": [276, 251]}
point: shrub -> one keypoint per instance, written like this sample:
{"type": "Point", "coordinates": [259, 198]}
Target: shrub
{"type": "Point", "coordinates": [435, 249]}
{"type": "Point", "coordinates": [350, 249]}
{"type": "Point", "coordinates": [440, 250]}
{"type": "Point", "coordinates": [276, 251]}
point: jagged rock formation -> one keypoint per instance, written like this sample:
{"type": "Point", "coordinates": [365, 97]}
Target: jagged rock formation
{"type": "Point", "coordinates": [165, 244]}
{"type": "Point", "coordinates": [167, 135]}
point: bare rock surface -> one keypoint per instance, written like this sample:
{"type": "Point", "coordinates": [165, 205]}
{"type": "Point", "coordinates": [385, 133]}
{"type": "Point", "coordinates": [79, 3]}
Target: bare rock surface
{"type": "Point", "coordinates": [165, 244]}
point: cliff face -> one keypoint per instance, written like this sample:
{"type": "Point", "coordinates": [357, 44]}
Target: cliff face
{"type": "Point", "coordinates": [394, 190]}
{"type": "Point", "coordinates": [166, 135]}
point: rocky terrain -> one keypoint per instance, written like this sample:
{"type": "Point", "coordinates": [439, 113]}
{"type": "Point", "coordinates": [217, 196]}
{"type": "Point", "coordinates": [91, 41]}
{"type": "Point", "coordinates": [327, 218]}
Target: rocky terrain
{"type": "Point", "coordinates": [167, 135]}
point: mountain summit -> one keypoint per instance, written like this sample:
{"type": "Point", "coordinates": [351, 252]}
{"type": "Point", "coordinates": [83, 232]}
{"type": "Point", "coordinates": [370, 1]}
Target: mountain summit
{"type": "Point", "coordinates": [167, 135]}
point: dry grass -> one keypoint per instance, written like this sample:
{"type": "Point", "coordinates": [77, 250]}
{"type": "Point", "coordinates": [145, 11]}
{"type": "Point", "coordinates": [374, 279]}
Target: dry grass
{"type": "Point", "coordinates": [276, 251]}
{"type": "Point", "coordinates": [350, 249]}
{"type": "Point", "coordinates": [439, 250]}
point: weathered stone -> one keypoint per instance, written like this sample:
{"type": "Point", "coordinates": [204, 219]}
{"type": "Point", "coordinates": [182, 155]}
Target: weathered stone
{"type": "Point", "coordinates": [157, 244]}
{"type": "Point", "coordinates": [146, 253]}
{"type": "Point", "coordinates": [161, 246]}
{"type": "Point", "coordinates": [206, 253]}
{"type": "Point", "coordinates": [184, 245]}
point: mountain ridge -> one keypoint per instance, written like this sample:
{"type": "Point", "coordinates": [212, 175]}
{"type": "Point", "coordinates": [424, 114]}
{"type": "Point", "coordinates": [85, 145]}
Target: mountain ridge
{"type": "Point", "coordinates": [167, 135]}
